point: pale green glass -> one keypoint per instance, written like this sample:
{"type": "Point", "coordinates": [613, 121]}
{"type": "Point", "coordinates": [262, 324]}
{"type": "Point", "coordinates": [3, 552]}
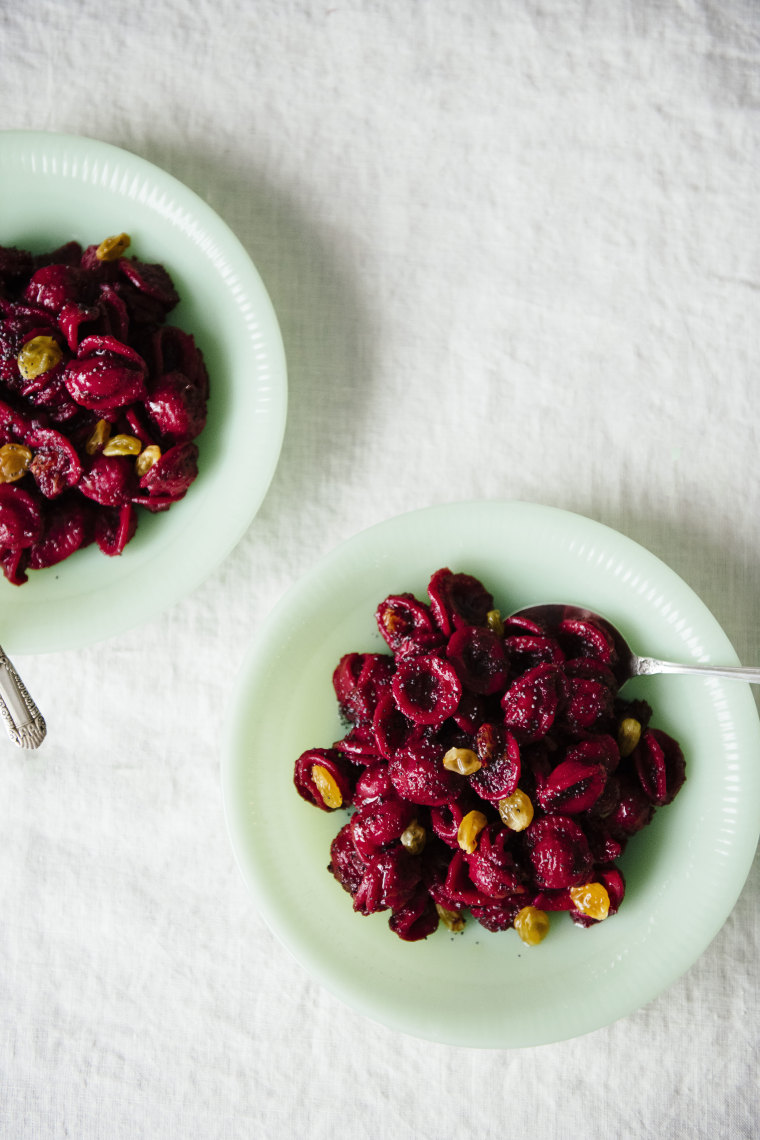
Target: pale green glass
{"type": "Point", "coordinates": [57, 188]}
{"type": "Point", "coordinates": [684, 872]}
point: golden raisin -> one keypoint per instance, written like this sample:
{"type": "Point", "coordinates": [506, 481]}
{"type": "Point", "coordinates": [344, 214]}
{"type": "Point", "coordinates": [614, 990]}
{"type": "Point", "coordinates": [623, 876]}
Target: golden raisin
{"type": "Point", "coordinates": [532, 925]}
{"type": "Point", "coordinates": [414, 837]}
{"type": "Point", "coordinates": [450, 918]}
{"type": "Point", "coordinates": [14, 462]}
{"type": "Point", "coordinates": [99, 437]}
{"type": "Point", "coordinates": [493, 618]}
{"type": "Point", "coordinates": [123, 445]}
{"type": "Point", "coordinates": [326, 786]}
{"type": "Point", "coordinates": [591, 899]}
{"type": "Point", "coordinates": [469, 829]}
{"type": "Point", "coordinates": [629, 734]}
{"type": "Point", "coordinates": [39, 355]}
{"type": "Point", "coordinates": [462, 760]}
{"type": "Point", "coordinates": [392, 622]}
{"type": "Point", "coordinates": [516, 811]}
{"type": "Point", "coordinates": [111, 248]}
{"type": "Point", "coordinates": [147, 457]}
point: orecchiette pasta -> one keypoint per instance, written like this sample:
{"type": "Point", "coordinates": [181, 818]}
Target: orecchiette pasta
{"type": "Point", "coordinates": [100, 401]}
{"type": "Point", "coordinates": [490, 767]}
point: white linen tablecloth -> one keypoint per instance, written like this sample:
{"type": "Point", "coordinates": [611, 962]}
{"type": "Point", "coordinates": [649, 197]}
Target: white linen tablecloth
{"type": "Point", "coordinates": [513, 248]}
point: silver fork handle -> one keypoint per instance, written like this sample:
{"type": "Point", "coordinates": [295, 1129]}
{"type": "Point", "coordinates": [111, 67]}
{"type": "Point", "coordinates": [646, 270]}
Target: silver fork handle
{"type": "Point", "coordinates": [23, 720]}
{"type": "Point", "coordinates": [648, 665]}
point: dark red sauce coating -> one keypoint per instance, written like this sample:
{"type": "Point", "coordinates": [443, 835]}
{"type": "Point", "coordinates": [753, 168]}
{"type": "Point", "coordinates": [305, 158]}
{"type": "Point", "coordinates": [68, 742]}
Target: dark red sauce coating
{"type": "Point", "coordinates": [538, 711]}
{"type": "Point", "coordinates": [118, 362]}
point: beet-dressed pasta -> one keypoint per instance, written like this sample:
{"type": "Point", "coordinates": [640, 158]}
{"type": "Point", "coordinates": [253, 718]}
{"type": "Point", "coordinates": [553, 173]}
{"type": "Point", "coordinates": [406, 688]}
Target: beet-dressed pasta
{"type": "Point", "coordinates": [489, 766]}
{"type": "Point", "coordinates": [100, 401]}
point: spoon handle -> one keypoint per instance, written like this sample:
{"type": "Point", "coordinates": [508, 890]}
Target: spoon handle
{"type": "Point", "coordinates": [648, 665]}
{"type": "Point", "coordinates": [23, 720]}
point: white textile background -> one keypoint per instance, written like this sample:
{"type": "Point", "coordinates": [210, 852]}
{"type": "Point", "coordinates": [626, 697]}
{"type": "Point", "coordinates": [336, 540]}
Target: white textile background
{"type": "Point", "coordinates": [513, 247]}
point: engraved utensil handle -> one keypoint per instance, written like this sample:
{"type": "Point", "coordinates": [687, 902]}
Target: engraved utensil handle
{"type": "Point", "coordinates": [645, 666]}
{"type": "Point", "coordinates": [23, 720]}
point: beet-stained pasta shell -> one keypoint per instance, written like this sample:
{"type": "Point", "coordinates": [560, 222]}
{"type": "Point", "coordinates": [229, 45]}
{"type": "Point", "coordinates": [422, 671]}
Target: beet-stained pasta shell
{"type": "Point", "coordinates": [324, 778]}
{"type": "Point", "coordinates": [499, 753]}
{"type": "Point", "coordinates": [480, 659]}
{"type": "Point", "coordinates": [426, 689]}
{"type": "Point", "coordinates": [574, 786]}
{"type": "Point", "coordinates": [20, 517]}
{"type": "Point", "coordinates": [359, 681]}
{"type": "Point", "coordinates": [458, 599]}
{"type": "Point", "coordinates": [407, 625]}
{"type": "Point", "coordinates": [531, 702]}
{"type": "Point", "coordinates": [376, 825]}
{"type": "Point", "coordinates": [660, 766]}
{"type": "Point", "coordinates": [558, 852]}
{"type": "Point", "coordinates": [418, 775]}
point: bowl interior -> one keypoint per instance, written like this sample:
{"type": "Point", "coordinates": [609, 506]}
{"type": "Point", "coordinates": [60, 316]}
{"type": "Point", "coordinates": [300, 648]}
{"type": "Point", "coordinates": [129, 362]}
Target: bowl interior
{"type": "Point", "coordinates": [62, 188]}
{"type": "Point", "coordinates": [683, 873]}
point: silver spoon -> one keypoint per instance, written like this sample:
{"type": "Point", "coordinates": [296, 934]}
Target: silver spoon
{"type": "Point", "coordinates": [628, 664]}
{"type": "Point", "coordinates": [23, 720]}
